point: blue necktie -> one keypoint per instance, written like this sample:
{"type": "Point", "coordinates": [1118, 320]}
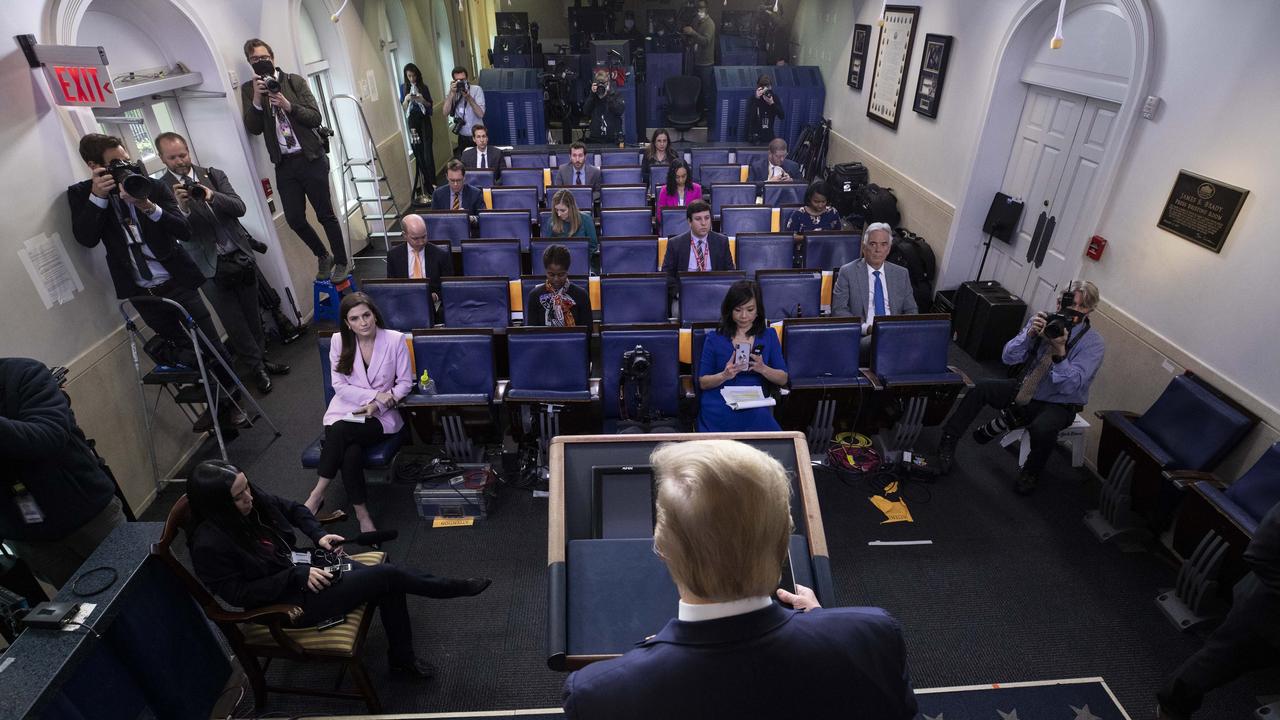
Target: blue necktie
{"type": "Point", "coordinates": [878, 297]}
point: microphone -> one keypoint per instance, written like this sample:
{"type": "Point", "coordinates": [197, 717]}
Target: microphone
{"type": "Point", "coordinates": [377, 537]}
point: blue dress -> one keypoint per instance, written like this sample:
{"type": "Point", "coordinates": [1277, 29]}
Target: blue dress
{"type": "Point", "coordinates": [800, 221]}
{"type": "Point", "coordinates": [713, 414]}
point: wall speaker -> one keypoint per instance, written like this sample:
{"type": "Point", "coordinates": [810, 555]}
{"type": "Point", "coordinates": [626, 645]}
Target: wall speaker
{"type": "Point", "coordinates": [1002, 218]}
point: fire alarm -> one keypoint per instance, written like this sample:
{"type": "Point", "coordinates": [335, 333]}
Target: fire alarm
{"type": "Point", "coordinates": [1097, 244]}
{"type": "Point", "coordinates": [266, 188]}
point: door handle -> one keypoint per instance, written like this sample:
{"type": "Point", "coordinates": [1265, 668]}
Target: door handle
{"type": "Point", "coordinates": [1044, 241]}
{"type": "Point", "coordinates": [1035, 236]}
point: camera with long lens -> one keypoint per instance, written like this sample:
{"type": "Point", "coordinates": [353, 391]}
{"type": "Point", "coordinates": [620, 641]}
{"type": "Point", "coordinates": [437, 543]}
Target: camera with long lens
{"type": "Point", "coordinates": [1058, 324]}
{"type": "Point", "coordinates": [1009, 419]}
{"type": "Point", "coordinates": [132, 177]}
{"type": "Point", "coordinates": [636, 363]}
{"type": "Point", "coordinates": [197, 192]}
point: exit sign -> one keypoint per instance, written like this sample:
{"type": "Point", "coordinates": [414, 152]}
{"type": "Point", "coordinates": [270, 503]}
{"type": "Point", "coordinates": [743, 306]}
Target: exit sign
{"type": "Point", "coordinates": [78, 76]}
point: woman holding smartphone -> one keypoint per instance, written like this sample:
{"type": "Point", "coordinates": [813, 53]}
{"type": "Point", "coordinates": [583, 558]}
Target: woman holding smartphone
{"type": "Point", "coordinates": [741, 351]}
{"type": "Point", "coordinates": [415, 101]}
{"type": "Point", "coordinates": [371, 372]}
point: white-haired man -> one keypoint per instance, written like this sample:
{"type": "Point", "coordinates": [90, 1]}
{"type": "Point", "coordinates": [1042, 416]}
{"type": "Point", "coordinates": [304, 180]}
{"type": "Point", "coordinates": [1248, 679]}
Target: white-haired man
{"type": "Point", "coordinates": [871, 286]}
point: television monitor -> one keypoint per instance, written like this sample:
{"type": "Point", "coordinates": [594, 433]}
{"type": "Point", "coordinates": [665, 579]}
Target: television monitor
{"type": "Point", "coordinates": [622, 498]}
{"type": "Point", "coordinates": [512, 23]}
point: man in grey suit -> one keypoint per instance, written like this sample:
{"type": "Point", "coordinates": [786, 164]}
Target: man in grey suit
{"type": "Point", "coordinates": [577, 171]}
{"type": "Point", "coordinates": [869, 286]}
{"type": "Point", "coordinates": [223, 250]}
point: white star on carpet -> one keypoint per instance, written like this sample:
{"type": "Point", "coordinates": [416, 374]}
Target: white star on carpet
{"type": "Point", "coordinates": [936, 717]}
{"type": "Point", "coordinates": [1011, 715]}
{"type": "Point", "coordinates": [1083, 713]}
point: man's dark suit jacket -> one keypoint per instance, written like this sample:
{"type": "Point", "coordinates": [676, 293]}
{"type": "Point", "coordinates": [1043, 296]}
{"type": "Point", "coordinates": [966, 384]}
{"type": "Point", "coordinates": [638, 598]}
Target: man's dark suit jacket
{"type": "Point", "coordinates": [591, 175]}
{"type": "Point", "coordinates": [771, 663]}
{"type": "Point", "coordinates": [304, 115]}
{"type": "Point", "coordinates": [437, 263]}
{"type": "Point", "coordinates": [759, 172]}
{"type": "Point", "coordinates": [472, 199]}
{"type": "Point", "coordinates": [92, 225]}
{"type": "Point", "coordinates": [224, 208]}
{"type": "Point", "coordinates": [493, 160]}
{"type": "Point", "coordinates": [676, 260]}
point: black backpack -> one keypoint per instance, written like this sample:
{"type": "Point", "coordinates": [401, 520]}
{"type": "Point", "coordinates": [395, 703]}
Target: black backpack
{"type": "Point", "coordinates": [913, 253]}
{"type": "Point", "coordinates": [877, 204]}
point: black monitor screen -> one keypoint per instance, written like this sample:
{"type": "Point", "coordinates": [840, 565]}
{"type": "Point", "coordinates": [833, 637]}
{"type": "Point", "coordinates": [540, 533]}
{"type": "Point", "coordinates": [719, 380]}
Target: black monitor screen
{"type": "Point", "coordinates": [622, 501]}
{"type": "Point", "coordinates": [512, 23]}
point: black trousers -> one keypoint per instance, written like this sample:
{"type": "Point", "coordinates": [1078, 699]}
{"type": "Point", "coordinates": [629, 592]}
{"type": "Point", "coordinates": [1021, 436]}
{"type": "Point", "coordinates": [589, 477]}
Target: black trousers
{"type": "Point", "coordinates": [237, 307]}
{"type": "Point", "coordinates": [1248, 639]}
{"type": "Point", "coordinates": [464, 142]}
{"type": "Point", "coordinates": [344, 445]}
{"type": "Point", "coordinates": [1043, 421]}
{"type": "Point", "coordinates": [423, 154]}
{"type": "Point", "coordinates": [382, 585]}
{"type": "Point", "coordinates": [299, 180]}
{"type": "Point", "coordinates": [165, 321]}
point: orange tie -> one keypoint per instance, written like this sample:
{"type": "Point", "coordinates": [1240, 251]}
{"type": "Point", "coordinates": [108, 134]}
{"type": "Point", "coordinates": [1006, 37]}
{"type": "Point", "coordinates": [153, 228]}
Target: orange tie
{"type": "Point", "coordinates": [417, 266]}
{"type": "Point", "coordinates": [457, 201]}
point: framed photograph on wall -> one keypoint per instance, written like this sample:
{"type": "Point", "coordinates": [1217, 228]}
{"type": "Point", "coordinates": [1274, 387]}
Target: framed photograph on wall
{"type": "Point", "coordinates": [893, 55]}
{"type": "Point", "coordinates": [858, 55]}
{"type": "Point", "coordinates": [933, 70]}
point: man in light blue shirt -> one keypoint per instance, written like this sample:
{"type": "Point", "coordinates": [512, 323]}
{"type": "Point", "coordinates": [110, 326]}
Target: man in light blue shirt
{"type": "Point", "coordinates": [1045, 398]}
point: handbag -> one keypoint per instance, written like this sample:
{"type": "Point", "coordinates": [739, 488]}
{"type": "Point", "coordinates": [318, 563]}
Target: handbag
{"type": "Point", "coordinates": [235, 269]}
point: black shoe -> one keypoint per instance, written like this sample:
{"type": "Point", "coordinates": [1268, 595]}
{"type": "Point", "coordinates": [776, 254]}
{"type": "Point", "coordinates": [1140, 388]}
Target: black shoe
{"type": "Point", "coordinates": [416, 667]}
{"type": "Point", "coordinates": [1025, 484]}
{"type": "Point", "coordinates": [263, 380]}
{"type": "Point", "coordinates": [275, 368]}
{"type": "Point", "coordinates": [461, 588]}
{"type": "Point", "coordinates": [231, 416]}
{"type": "Point", "coordinates": [947, 453]}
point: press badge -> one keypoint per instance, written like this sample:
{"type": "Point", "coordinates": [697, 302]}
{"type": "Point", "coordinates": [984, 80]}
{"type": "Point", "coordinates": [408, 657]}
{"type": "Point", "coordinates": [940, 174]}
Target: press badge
{"type": "Point", "coordinates": [301, 558]}
{"type": "Point", "coordinates": [27, 505]}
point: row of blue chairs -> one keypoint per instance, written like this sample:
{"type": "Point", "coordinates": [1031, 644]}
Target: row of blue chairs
{"type": "Point", "coordinates": [631, 157]}
{"type": "Point", "coordinates": [528, 193]}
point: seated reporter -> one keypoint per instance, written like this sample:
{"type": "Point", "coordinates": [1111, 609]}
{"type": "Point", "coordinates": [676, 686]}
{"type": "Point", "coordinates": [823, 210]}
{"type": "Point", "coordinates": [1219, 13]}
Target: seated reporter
{"type": "Point", "coordinates": [697, 250]}
{"type": "Point", "coordinates": [371, 372]}
{"type": "Point", "coordinates": [817, 213]}
{"type": "Point", "coordinates": [418, 259]}
{"type": "Point", "coordinates": [871, 286]}
{"type": "Point", "coordinates": [659, 153]}
{"type": "Point", "coordinates": [458, 194]}
{"type": "Point", "coordinates": [741, 325]}
{"type": "Point", "coordinates": [775, 167]}
{"type": "Point", "coordinates": [1053, 387]}
{"type": "Point", "coordinates": [242, 541]}
{"type": "Point", "coordinates": [558, 302]}
{"type": "Point", "coordinates": [567, 221]}
{"type": "Point", "coordinates": [722, 526]}
{"type": "Point", "coordinates": [680, 190]}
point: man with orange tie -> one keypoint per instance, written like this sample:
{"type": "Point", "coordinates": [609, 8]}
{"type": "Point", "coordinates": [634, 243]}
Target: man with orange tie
{"type": "Point", "coordinates": [458, 194]}
{"type": "Point", "coordinates": [418, 259]}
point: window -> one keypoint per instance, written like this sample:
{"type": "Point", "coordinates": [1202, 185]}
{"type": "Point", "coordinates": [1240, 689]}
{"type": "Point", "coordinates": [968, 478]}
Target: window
{"type": "Point", "coordinates": [138, 122]}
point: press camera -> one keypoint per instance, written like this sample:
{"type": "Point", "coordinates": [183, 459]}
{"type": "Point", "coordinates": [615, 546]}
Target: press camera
{"type": "Point", "coordinates": [1059, 323]}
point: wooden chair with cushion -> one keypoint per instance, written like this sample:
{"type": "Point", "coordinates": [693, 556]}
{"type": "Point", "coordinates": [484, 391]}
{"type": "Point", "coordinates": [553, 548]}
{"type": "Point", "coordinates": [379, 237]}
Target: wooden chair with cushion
{"type": "Point", "coordinates": [265, 633]}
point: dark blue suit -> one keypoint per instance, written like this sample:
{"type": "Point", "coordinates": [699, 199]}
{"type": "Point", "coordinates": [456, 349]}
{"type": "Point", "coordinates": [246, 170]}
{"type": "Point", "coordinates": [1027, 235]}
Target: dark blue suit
{"type": "Point", "coordinates": [472, 199]}
{"type": "Point", "coordinates": [771, 663]}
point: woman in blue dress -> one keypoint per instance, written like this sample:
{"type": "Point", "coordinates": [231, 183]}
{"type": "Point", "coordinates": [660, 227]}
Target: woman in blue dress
{"type": "Point", "coordinates": [817, 213]}
{"type": "Point", "coordinates": [741, 322]}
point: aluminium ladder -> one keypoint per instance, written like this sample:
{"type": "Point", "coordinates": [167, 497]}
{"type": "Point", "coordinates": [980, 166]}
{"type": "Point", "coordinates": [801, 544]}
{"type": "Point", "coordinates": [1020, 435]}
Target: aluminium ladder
{"type": "Point", "coordinates": [363, 168]}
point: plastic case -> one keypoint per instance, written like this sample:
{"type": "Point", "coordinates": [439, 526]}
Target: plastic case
{"type": "Point", "coordinates": [463, 495]}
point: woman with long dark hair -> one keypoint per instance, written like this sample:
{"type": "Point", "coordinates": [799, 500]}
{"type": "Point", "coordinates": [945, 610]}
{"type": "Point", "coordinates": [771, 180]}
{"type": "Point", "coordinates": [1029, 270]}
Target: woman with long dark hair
{"type": "Point", "coordinates": [242, 543]}
{"type": "Point", "coordinates": [741, 351]}
{"type": "Point", "coordinates": [371, 372]}
{"type": "Point", "coordinates": [680, 190]}
{"type": "Point", "coordinates": [567, 221]}
{"type": "Point", "coordinates": [817, 213]}
{"type": "Point", "coordinates": [415, 101]}
{"type": "Point", "coordinates": [659, 153]}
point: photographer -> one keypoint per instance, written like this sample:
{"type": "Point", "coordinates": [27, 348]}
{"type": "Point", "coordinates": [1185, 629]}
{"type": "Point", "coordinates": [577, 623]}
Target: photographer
{"type": "Point", "coordinates": [605, 107]}
{"type": "Point", "coordinates": [465, 106]}
{"type": "Point", "coordinates": [223, 250]}
{"type": "Point", "coordinates": [703, 41]}
{"type": "Point", "coordinates": [763, 111]}
{"type": "Point", "coordinates": [1061, 357]}
{"type": "Point", "coordinates": [280, 107]}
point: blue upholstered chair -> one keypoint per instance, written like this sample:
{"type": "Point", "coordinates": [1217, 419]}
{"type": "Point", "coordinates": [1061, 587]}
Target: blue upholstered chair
{"type": "Point", "coordinates": [698, 157]}
{"type": "Point", "coordinates": [663, 344]}
{"type": "Point", "coordinates": [914, 385]}
{"type": "Point", "coordinates": [764, 251]}
{"type": "Point", "coordinates": [746, 156]}
{"type": "Point", "coordinates": [619, 157]}
{"type": "Point", "coordinates": [451, 225]}
{"type": "Point", "coordinates": [376, 457]}
{"type": "Point", "coordinates": [480, 178]}
{"type": "Point", "coordinates": [622, 176]}
{"type": "Point", "coordinates": [523, 177]}
{"type": "Point", "coordinates": [777, 193]}
{"type": "Point", "coordinates": [635, 254]}
{"type": "Point", "coordinates": [657, 178]}
{"type": "Point", "coordinates": [674, 222]}
{"type": "Point", "coordinates": [712, 175]}
{"type": "Point", "coordinates": [790, 294]}
{"type": "Point", "coordinates": [623, 196]}
{"type": "Point", "coordinates": [734, 193]}
{"type": "Point", "coordinates": [460, 362]}
{"type": "Point", "coordinates": [491, 257]}
{"type": "Point", "coordinates": [735, 219]}
{"type": "Point", "coordinates": [549, 369]}
{"type": "Point", "coordinates": [405, 304]}
{"type": "Point", "coordinates": [822, 368]}
{"type": "Point", "coordinates": [505, 225]}
{"type": "Point", "coordinates": [477, 302]}
{"type": "Point", "coordinates": [522, 197]}
{"type": "Point", "coordinates": [701, 294]}
{"type": "Point", "coordinates": [579, 254]}
{"type": "Point", "coordinates": [831, 250]}
{"type": "Point", "coordinates": [1191, 426]}
{"type": "Point", "coordinates": [527, 160]}
{"type": "Point", "coordinates": [582, 194]}
{"type": "Point", "coordinates": [638, 298]}
{"type": "Point", "coordinates": [626, 221]}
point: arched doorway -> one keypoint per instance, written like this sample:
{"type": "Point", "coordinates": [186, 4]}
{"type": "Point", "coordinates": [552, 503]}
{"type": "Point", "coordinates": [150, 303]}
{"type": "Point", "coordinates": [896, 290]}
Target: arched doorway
{"type": "Point", "coordinates": [1056, 127]}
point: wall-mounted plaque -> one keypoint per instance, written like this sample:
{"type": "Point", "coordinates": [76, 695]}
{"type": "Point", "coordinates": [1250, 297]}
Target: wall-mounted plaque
{"type": "Point", "coordinates": [858, 55]}
{"type": "Point", "coordinates": [1202, 210]}
{"type": "Point", "coordinates": [933, 70]}
{"type": "Point", "coordinates": [893, 55]}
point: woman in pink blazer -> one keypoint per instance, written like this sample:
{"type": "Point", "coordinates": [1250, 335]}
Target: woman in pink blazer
{"type": "Point", "coordinates": [680, 190]}
{"type": "Point", "coordinates": [371, 373]}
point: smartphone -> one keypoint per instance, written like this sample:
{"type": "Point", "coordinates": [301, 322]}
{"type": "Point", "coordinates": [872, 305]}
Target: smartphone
{"type": "Point", "coordinates": [332, 622]}
{"type": "Point", "coordinates": [787, 581]}
{"type": "Point", "coordinates": [741, 355]}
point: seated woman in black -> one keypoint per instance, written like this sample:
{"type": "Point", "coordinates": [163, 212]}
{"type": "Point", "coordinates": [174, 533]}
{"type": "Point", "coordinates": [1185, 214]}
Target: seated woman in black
{"type": "Point", "coordinates": [242, 541]}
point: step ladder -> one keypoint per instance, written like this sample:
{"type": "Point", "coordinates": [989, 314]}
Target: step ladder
{"type": "Point", "coordinates": [363, 169]}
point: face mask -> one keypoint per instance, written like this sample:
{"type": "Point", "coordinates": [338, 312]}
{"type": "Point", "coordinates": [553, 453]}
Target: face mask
{"type": "Point", "coordinates": [702, 14]}
{"type": "Point", "coordinates": [263, 67]}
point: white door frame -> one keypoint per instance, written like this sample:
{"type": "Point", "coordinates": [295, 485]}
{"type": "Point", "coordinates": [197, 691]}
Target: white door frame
{"type": "Point", "coordinates": [999, 126]}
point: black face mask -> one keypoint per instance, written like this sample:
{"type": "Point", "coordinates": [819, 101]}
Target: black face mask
{"type": "Point", "coordinates": [263, 67]}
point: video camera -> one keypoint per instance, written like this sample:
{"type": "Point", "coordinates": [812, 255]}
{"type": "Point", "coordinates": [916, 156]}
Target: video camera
{"type": "Point", "coordinates": [1059, 323]}
{"type": "Point", "coordinates": [132, 177]}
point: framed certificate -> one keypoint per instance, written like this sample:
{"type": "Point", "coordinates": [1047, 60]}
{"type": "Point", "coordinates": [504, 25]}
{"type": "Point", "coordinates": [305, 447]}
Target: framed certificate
{"type": "Point", "coordinates": [858, 55]}
{"type": "Point", "coordinates": [893, 55]}
{"type": "Point", "coordinates": [933, 70]}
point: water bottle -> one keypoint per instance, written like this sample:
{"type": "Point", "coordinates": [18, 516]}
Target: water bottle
{"type": "Point", "coordinates": [426, 385]}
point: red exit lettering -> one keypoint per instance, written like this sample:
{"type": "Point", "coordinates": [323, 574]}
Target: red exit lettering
{"type": "Point", "coordinates": [81, 84]}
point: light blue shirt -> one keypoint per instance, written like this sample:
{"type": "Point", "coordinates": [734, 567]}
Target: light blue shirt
{"type": "Point", "coordinates": [1067, 382]}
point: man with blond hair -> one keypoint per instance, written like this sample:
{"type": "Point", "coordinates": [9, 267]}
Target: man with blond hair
{"type": "Point", "coordinates": [722, 525]}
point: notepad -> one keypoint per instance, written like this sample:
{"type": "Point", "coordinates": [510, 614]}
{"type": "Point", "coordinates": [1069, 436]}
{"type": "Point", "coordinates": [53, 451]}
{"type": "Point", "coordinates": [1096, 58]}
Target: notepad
{"type": "Point", "coordinates": [354, 418]}
{"type": "Point", "coordinates": [745, 397]}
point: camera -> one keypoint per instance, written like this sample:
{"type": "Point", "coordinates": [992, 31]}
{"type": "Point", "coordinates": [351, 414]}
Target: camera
{"type": "Point", "coordinates": [132, 177]}
{"type": "Point", "coordinates": [636, 363]}
{"type": "Point", "coordinates": [768, 93]}
{"type": "Point", "coordinates": [462, 87]}
{"type": "Point", "coordinates": [1058, 324]}
{"type": "Point", "coordinates": [272, 83]}
{"type": "Point", "coordinates": [197, 192]}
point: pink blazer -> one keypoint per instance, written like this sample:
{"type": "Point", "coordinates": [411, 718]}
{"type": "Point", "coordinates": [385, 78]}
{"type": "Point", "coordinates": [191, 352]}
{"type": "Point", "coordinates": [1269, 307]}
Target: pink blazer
{"type": "Point", "coordinates": [692, 192]}
{"type": "Point", "coordinates": [389, 370]}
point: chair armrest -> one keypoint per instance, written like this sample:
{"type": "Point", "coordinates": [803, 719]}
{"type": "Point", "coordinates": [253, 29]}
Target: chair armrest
{"type": "Point", "coordinates": [968, 382]}
{"type": "Point", "coordinates": [1101, 414]}
{"type": "Point", "coordinates": [279, 612]}
{"type": "Point", "coordinates": [871, 378]}
{"type": "Point", "coordinates": [500, 390]}
{"type": "Point", "coordinates": [686, 387]}
{"type": "Point", "coordinates": [1185, 478]}
{"type": "Point", "coordinates": [593, 387]}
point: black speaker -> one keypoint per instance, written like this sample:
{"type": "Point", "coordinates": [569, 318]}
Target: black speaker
{"type": "Point", "coordinates": [1002, 218]}
{"type": "Point", "coordinates": [996, 319]}
{"type": "Point", "coordinates": [966, 303]}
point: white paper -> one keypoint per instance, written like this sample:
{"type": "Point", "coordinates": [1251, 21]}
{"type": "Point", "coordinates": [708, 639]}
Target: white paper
{"type": "Point", "coordinates": [82, 614]}
{"type": "Point", "coordinates": [354, 418]}
{"type": "Point", "coordinates": [745, 397]}
{"type": "Point", "coordinates": [51, 271]}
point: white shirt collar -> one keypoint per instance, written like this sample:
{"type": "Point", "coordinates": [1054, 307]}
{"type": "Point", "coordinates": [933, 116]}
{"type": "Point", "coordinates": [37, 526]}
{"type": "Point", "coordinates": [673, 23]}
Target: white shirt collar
{"type": "Point", "coordinates": [715, 611]}
{"type": "Point", "coordinates": [190, 173]}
